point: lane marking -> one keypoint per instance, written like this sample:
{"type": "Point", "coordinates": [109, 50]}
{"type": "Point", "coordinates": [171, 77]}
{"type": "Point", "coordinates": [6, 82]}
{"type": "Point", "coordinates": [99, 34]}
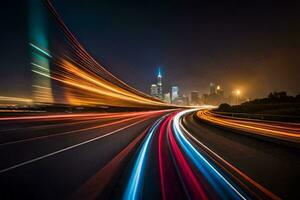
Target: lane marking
{"type": "Point", "coordinates": [100, 180]}
{"type": "Point", "coordinates": [68, 132]}
{"type": "Point", "coordinates": [68, 148]}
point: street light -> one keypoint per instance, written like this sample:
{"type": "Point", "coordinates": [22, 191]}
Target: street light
{"type": "Point", "coordinates": [237, 92]}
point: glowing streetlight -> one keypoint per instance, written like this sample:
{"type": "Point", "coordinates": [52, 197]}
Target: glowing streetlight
{"type": "Point", "coordinates": [237, 92]}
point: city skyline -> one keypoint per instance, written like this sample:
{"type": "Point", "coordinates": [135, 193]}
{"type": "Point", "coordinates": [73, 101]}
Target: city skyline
{"type": "Point", "coordinates": [214, 96]}
{"type": "Point", "coordinates": [276, 55]}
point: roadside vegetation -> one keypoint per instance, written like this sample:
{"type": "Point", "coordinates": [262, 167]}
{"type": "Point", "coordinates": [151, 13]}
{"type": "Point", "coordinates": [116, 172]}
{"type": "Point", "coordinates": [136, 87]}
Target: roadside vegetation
{"type": "Point", "coordinates": [276, 104]}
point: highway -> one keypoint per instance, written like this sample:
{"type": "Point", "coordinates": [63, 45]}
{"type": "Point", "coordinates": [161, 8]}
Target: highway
{"type": "Point", "coordinates": [250, 148]}
{"type": "Point", "coordinates": [50, 157]}
{"type": "Point", "coordinates": [168, 154]}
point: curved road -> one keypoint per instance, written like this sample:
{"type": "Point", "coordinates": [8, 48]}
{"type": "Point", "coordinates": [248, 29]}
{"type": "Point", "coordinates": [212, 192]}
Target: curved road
{"type": "Point", "coordinates": [140, 155]}
{"type": "Point", "coordinates": [273, 165]}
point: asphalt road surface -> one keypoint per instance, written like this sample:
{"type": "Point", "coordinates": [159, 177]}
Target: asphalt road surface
{"type": "Point", "coordinates": [51, 158]}
{"type": "Point", "coordinates": [274, 165]}
{"type": "Point", "coordinates": [140, 155]}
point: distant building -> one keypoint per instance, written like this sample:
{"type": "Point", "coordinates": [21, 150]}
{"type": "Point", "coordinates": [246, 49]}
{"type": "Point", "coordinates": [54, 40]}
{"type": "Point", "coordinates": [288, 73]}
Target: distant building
{"type": "Point", "coordinates": [215, 96]}
{"type": "Point", "coordinates": [219, 91]}
{"type": "Point", "coordinates": [181, 100]}
{"type": "Point", "coordinates": [195, 98]}
{"type": "Point", "coordinates": [159, 85]}
{"type": "Point", "coordinates": [185, 100]}
{"type": "Point", "coordinates": [154, 90]}
{"type": "Point", "coordinates": [212, 88]}
{"type": "Point", "coordinates": [205, 98]}
{"type": "Point", "coordinates": [174, 93]}
{"type": "Point", "coordinates": [167, 97]}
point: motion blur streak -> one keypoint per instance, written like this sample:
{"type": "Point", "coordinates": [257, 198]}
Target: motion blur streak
{"type": "Point", "coordinates": [79, 79]}
{"type": "Point", "coordinates": [281, 131]}
{"type": "Point", "coordinates": [161, 159]}
{"type": "Point", "coordinates": [40, 50]}
{"type": "Point", "coordinates": [170, 181]}
{"type": "Point", "coordinates": [193, 185]}
{"type": "Point", "coordinates": [97, 184]}
{"type": "Point", "coordinates": [15, 99]}
{"type": "Point", "coordinates": [75, 131]}
{"type": "Point", "coordinates": [80, 116]}
{"type": "Point", "coordinates": [222, 186]}
{"type": "Point", "coordinates": [247, 178]}
{"type": "Point", "coordinates": [136, 179]}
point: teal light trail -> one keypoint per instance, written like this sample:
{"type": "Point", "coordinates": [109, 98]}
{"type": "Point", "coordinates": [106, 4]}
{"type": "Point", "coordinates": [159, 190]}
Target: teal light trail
{"type": "Point", "coordinates": [40, 50]}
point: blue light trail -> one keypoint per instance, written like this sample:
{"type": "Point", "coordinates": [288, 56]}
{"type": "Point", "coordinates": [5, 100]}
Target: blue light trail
{"type": "Point", "coordinates": [137, 176]}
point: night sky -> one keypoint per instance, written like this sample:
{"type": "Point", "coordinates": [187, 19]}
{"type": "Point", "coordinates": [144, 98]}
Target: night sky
{"type": "Point", "coordinates": [251, 46]}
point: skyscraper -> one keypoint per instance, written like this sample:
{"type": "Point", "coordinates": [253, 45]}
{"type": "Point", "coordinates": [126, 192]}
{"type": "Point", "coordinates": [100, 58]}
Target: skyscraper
{"type": "Point", "coordinates": [174, 93]}
{"type": "Point", "coordinates": [167, 97]}
{"type": "Point", "coordinates": [159, 85]}
{"type": "Point", "coordinates": [219, 91]}
{"type": "Point", "coordinates": [212, 88]}
{"type": "Point", "coordinates": [154, 90]}
{"type": "Point", "coordinates": [195, 98]}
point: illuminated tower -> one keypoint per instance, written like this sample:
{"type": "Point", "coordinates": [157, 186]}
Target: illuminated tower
{"type": "Point", "coordinates": [159, 85]}
{"type": "Point", "coordinates": [40, 57]}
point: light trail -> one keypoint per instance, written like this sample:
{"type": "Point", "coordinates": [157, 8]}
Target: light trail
{"type": "Point", "coordinates": [135, 181]}
{"type": "Point", "coordinates": [161, 162]}
{"type": "Point", "coordinates": [41, 67]}
{"type": "Point", "coordinates": [127, 116]}
{"type": "Point", "coordinates": [80, 79]}
{"type": "Point", "coordinates": [221, 185]}
{"type": "Point", "coordinates": [15, 99]}
{"type": "Point", "coordinates": [73, 131]}
{"type": "Point", "coordinates": [170, 180]}
{"type": "Point", "coordinates": [69, 147]}
{"type": "Point", "coordinates": [74, 116]}
{"type": "Point", "coordinates": [40, 50]}
{"type": "Point", "coordinates": [196, 190]}
{"type": "Point", "coordinates": [232, 167]}
{"type": "Point", "coordinates": [57, 125]}
{"type": "Point", "coordinates": [98, 182]}
{"type": "Point", "coordinates": [286, 132]}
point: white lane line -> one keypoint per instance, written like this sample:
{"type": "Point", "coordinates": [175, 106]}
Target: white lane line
{"type": "Point", "coordinates": [68, 148]}
{"type": "Point", "coordinates": [176, 125]}
{"type": "Point", "coordinates": [68, 132]}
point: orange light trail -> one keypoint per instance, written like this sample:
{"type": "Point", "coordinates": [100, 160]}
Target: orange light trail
{"type": "Point", "coordinates": [15, 99]}
{"type": "Point", "coordinates": [283, 131]}
{"type": "Point", "coordinates": [84, 82]}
